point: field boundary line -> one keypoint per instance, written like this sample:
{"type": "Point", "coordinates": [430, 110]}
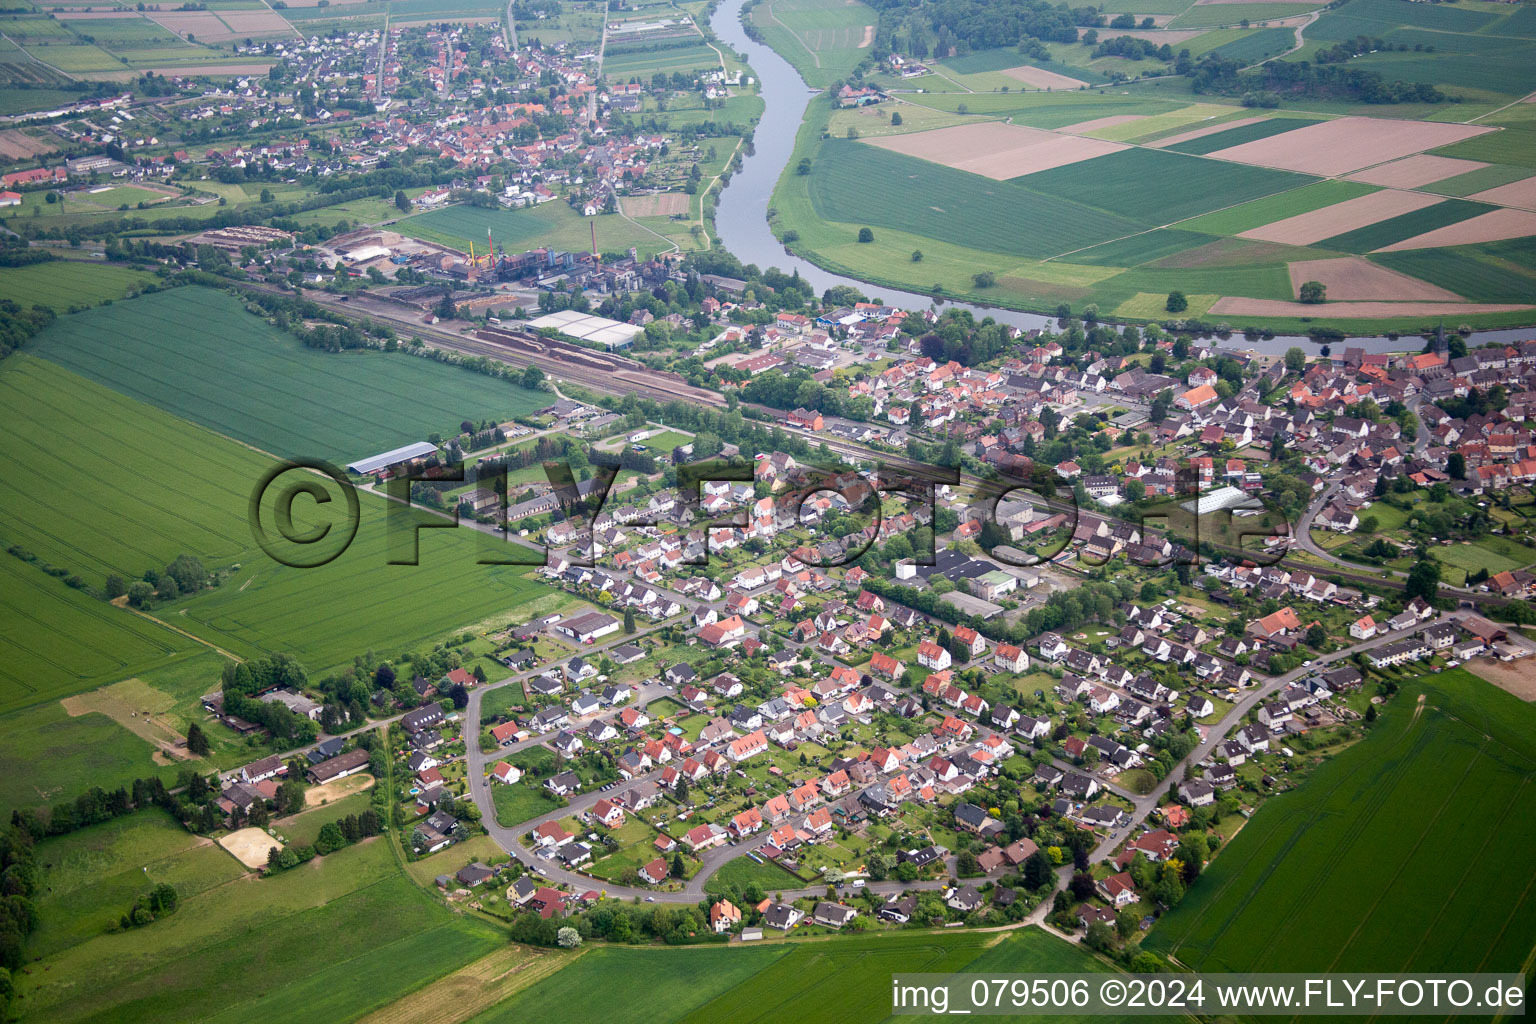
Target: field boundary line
{"type": "Point", "coordinates": [190, 636]}
{"type": "Point", "coordinates": [772, 14]}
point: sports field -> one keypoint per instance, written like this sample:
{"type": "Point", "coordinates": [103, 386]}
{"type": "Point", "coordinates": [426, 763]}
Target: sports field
{"type": "Point", "coordinates": [257, 384]}
{"type": "Point", "coordinates": [1349, 872]}
{"type": "Point", "coordinates": [823, 39]}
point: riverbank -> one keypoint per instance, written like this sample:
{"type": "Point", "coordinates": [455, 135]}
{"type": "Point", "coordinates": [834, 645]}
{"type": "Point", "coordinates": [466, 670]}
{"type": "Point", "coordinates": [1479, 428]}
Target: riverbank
{"type": "Point", "coordinates": [826, 252]}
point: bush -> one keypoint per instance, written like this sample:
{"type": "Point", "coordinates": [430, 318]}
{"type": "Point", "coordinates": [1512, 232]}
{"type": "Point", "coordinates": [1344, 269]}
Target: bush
{"type": "Point", "coordinates": [866, 235]}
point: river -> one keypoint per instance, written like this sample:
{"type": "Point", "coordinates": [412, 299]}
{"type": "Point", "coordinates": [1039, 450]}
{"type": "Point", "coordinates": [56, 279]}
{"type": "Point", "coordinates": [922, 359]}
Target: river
{"type": "Point", "coordinates": [741, 220]}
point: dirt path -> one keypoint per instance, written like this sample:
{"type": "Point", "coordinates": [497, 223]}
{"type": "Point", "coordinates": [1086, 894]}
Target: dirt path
{"type": "Point", "coordinates": [122, 602]}
{"type": "Point", "coordinates": [473, 988]}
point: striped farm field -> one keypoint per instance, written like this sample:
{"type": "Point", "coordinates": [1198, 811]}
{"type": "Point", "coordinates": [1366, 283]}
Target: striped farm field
{"type": "Point", "coordinates": [1407, 225]}
{"type": "Point", "coordinates": [1247, 216]}
{"type": "Point", "coordinates": [1243, 133]}
{"type": "Point", "coordinates": [250, 381]}
{"type": "Point", "coordinates": [64, 283]}
{"type": "Point", "coordinates": [1348, 872]}
{"type": "Point", "coordinates": [1156, 186]}
{"type": "Point", "coordinates": [1479, 277]}
{"type": "Point", "coordinates": [950, 205]}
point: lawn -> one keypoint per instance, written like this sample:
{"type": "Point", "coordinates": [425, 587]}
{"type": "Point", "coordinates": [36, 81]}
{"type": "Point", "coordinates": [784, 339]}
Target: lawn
{"type": "Point", "coordinates": [521, 802]}
{"type": "Point", "coordinates": [550, 224]}
{"type": "Point", "coordinates": [246, 950]}
{"type": "Point", "coordinates": [1348, 872]}
{"type": "Point", "coordinates": [248, 380]}
{"type": "Point", "coordinates": [62, 284]}
{"type": "Point", "coordinates": [823, 39]}
{"type": "Point", "coordinates": [740, 872]}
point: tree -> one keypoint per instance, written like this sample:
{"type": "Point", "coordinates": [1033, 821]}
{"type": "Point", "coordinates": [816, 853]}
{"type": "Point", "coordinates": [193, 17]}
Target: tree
{"type": "Point", "coordinates": [533, 378]}
{"type": "Point", "coordinates": [115, 587]}
{"type": "Point", "coordinates": [917, 255]}
{"type": "Point", "coordinates": [1038, 872]}
{"type": "Point", "coordinates": [896, 117]}
{"type": "Point", "coordinates": [1099, 937]}
{"type": "Point", "coordinates": [985, 279]}
{"type": "Point", "coordinates": [1456, 466]}
{"type": "Point", "coordinates": [445, 308]}
{"type": "Point", "coordinates": [629, 620]}
{"type": "Point", "coordinates": [1313, 292]}
{"type": "Point", "coordinates": [1176, 303]}
{"type": "Point", "coordinates": [1316, 636]}
{"type": "Point", "coordinates": [1082, 886]}
{"type": "Point", "coordinates": [1295, 359]}
{"type": "Point", "coordinates": [1423, 580]}
{"type": "Point", "coordinates": [966, 865]}
{"type": "Point", "coordinates": [197, 740]}
{"type": "Point", "coordinates": [402, 203]}
{"type": "Point", "coordinates": [568, 937]}
{"type": "Point", "coordinates": [679, 868]}
{"type": "Point", "coordinates": [866, 235]}
{"type": "Point", "coordinates": [804, 166]}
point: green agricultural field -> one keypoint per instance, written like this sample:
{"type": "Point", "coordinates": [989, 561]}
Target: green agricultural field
{"type": "Point", "coordinates": [823, 39]}
{"type": "Point", "coordinates": [247, 950]}
{"type": "Point", "coordinates": [164, 487]}
{"type": "Point", "coordinates": [1473, 275]}
{"type": "Point", "coordinates": [257, 384]}
{"type": "Point", "coordinates": [56, 640]}
{"type": "Point", "coordinates": [1348, 872]}
{"type": "Point", "coordinates": [644, 64]}
{"type": "Point", "coordinates": [1211, 15]}
{"type": "Point", "coordinates": [939, 202]}
{"type": "Point", "coordinates": [553, 224]}
{"type": "Point", "coordinates": [1142, 248]}
{"type": "Point", "coordinates": [91, 877]}
{"type": "Point", "coordinates": [62, 284]}
{"type": "Point", "coordinates": [1156, 186]}
{"type": "Point", "coordinates": [621, 985]}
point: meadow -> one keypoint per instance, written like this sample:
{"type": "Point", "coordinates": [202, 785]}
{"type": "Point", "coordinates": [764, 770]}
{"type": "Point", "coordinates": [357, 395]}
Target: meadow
{"type": "Point", "coordinates": [1350, 871]}
{"type": "Point", "coordinates": [90, 877]}
{"type": "Point", "coordinates": [251, 949]}
{"type": "Point", "coordinates": [45, 752]}
{"type": "Point", "coordinates": [645, 63]}
{"type": "Point", "coordinates": [250, 381]}
{"type": "Point", "coordinates": [823, 39]}
{"type": "Point", "coordinates": [553, 224]}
